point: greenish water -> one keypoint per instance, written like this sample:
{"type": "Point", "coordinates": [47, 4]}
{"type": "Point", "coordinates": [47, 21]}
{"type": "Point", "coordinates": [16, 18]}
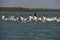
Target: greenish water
{"type": "Point", "coordinates": [29, 30]}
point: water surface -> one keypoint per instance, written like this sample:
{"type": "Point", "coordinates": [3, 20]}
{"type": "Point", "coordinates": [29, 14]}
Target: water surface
{"type": "Point", "coordinates": [29, 30]}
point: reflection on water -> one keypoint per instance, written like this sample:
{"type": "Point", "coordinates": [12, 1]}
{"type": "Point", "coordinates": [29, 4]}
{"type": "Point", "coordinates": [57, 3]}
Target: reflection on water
{"type": "Point", "coordinates": [30, 30]}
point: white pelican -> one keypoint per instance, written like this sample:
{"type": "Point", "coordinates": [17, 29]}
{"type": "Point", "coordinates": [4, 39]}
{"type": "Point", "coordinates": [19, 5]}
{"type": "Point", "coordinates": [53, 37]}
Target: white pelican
{"type": "Point", "coordinates": [6, 19]}
{"type": "Point", "coordinates": [11, 18]}
{"type": "Point", "coordinates": [39, 19]}
{"type": "Point", "coordinates": [49, 19]}
{"type": "Point", "coordinates": [35, 18]}
{"type": "Point", "coordinates": [3, 17]}
{"type": "Point", "coordinates": [55, 18]}
{"type": "Point", "coordinates": [30, 18]}
{"type": "Point", "coordinates": [20, 18]}
{"type": "Point", "coordinates": [44, 19]}
{"type": "Point", "coordinates": [58, 20]}
{"type": "Point", "coordinates": [17, 18]}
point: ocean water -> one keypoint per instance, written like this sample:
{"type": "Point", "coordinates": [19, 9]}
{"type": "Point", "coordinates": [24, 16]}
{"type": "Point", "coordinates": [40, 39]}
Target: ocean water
{"type": "Point", "coordinates": [29, 30]}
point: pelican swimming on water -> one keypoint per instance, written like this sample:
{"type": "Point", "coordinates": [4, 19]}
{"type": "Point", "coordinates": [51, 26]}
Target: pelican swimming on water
{"type": "Point", "coordinates": [3, 17]}
{"type": "Point", "coordinates": [11, 18]}
{"type": "Point", "coordinates": [30, 18]}
{"type": "Point", "coordinates": [20, 18]}
{"type": "Point", "coordinates": [44, 19]}
{"type": "Point", "coordinates": [35, 17]}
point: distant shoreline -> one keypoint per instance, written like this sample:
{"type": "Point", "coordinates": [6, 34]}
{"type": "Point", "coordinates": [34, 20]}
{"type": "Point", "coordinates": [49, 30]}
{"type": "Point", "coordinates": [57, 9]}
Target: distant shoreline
{"type": "Point", "coordinates": [28, 9]}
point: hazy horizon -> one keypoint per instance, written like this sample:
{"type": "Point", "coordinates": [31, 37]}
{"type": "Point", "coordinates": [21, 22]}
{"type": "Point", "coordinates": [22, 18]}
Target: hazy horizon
{"type": "Point", "coordinates": [53, 4]}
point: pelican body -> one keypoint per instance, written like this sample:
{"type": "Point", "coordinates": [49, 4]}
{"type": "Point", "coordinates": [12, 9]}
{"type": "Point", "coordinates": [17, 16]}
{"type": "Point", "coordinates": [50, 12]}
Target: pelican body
{"type": "Point", "coordinates": [11, 18]}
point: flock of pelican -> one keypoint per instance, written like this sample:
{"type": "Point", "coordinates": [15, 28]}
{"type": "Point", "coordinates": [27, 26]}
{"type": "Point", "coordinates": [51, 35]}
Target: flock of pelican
{"type": "Point", "coordinates": [31, 18]}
